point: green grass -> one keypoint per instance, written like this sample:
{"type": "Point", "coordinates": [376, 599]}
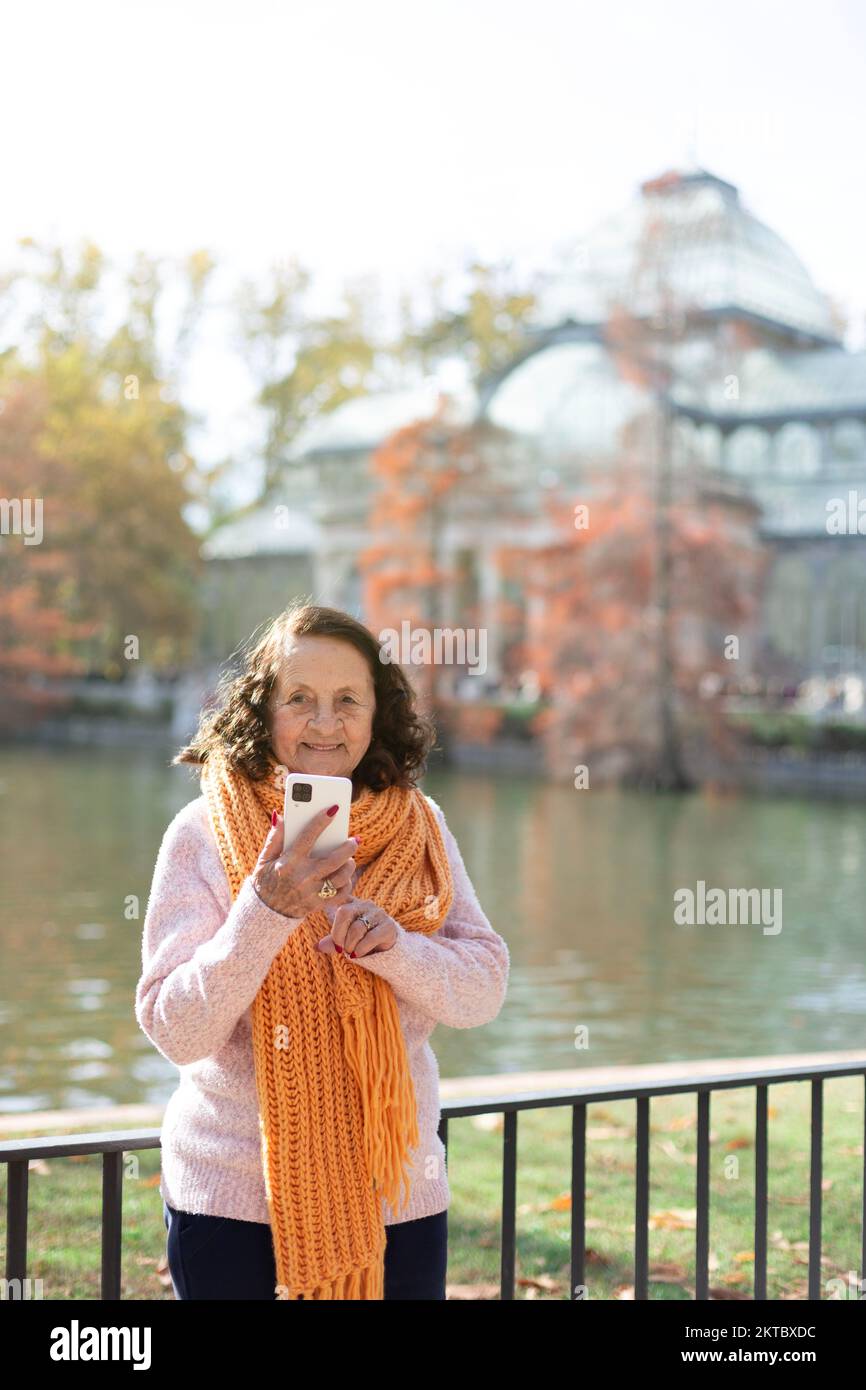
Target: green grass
{"type": "Point", "coordinates": [64, 1236]}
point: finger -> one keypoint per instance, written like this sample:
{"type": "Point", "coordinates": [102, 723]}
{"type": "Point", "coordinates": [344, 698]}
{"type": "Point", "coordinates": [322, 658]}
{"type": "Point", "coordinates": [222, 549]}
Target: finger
{"type": "Point", "coordinates": [355, 929]}
{"type": "Point", "coordinates": [341, 881]}
{"type": "Point", "coordinates": [341, 919]}
{"type": "Point", "coordinates": [331, 906]}
{"type": "Point", "coordinates": [306, 838]}
{"type": "Point", "coordinates": [336, 858]}
{"type": "Point", "coordinates": [325, 944]}
{"type": "Point", "coordinates": [273, 846]}
{"type": "Point", "coordinates": [373, 941]}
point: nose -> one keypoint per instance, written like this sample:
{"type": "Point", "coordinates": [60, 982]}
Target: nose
{"type": "Point", "coordinates": [321, 724]}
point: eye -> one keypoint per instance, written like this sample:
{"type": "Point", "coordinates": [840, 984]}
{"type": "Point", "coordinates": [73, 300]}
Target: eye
{"type": "Point", "coordinates": [297, 697]}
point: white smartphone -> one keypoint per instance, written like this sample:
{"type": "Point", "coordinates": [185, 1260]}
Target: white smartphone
{"type": "Point", "coordinates": [306, 796]}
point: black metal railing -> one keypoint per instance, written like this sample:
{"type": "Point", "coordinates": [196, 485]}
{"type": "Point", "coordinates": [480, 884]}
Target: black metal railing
{"type": "Point", "coordinates": [113, 1145]}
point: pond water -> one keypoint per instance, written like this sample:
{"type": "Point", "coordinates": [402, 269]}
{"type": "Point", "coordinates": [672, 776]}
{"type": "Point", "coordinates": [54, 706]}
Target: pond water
{"type": "Point", "coordinates": [581, 885]}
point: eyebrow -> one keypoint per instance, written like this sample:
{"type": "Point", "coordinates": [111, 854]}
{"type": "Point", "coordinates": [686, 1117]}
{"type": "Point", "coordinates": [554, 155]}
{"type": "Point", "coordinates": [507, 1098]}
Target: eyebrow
{"type": "Point", "coordinates": [301, 685]}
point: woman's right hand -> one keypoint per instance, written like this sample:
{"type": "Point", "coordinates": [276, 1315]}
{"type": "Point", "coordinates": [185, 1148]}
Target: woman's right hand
{"type": "Point", "coordinates": [289, 882]}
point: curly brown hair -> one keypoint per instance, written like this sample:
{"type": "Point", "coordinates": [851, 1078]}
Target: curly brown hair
{"type": "Point", "coordinates": [401, 737]}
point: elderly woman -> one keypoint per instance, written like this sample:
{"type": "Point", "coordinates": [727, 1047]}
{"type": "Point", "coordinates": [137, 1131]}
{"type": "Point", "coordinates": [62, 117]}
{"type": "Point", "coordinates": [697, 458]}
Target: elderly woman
{"type": "Point", "coordinates": [296, 994]}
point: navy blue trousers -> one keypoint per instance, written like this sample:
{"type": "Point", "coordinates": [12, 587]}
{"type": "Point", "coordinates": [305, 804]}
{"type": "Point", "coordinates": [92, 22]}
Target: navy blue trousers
{"type": "Point", "coordinates": [215, 1257]}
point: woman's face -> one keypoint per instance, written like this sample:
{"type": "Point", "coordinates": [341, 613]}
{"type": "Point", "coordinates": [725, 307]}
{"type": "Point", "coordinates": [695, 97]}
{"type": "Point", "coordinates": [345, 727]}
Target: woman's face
{"type": "Point", "coordinates": [322, 707]}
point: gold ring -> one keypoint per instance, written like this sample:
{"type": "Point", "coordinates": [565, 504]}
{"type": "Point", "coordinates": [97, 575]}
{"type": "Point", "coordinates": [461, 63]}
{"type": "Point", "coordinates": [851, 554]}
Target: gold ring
{"type": "Point", "coordinates": [327, 889]}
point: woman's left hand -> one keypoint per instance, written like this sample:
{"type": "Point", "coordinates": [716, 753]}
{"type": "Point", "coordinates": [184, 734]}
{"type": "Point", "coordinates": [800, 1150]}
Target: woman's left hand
{"type": "Point", "coordinates": [355, 938]}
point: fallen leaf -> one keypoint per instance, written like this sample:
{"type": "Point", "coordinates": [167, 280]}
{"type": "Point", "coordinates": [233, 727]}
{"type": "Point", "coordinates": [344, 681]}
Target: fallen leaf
{"type": "Point", "coordinates": [667, 1273]}
{"type": "Point", "coordinates": [681, 1122]}
{"type": "Point", "coordinates": [595, 1257]}
{"type": "Point", "coordinates": [541, 1281]}
{"type": "Point", "coordinates": [472, 1292]}
{"type": "Point", "coordinates": [673, 1220]}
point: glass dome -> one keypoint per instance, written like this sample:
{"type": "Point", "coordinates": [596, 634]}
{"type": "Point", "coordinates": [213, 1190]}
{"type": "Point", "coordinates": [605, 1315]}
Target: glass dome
{"type": "Point", "coordinates": [690, 233]}
{"type": "Point", "coordinates": [567, 397]}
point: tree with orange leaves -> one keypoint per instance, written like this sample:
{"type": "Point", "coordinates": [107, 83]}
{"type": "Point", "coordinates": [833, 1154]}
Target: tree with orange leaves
{"type": "Point", "coordinates": [37, 632]}
{"type": "Point", "coordinates": [596, 645]}
{"type": "Point", "coordinates": [424, 471]}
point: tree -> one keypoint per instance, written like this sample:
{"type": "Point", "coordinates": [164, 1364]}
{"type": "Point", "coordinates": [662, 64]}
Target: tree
{"type": "Point", "coordinates": [597, 641]}
{"type": "Point", "coordinates": [487, 330]}
{"type": "Point", "coordinates": [305, 365]}
{"type": "Point", "coordinates": [91, 424]}
{"type": "Point", "coordinates": [426, 471]}
{"type": "Point", "coordinates": [38, 635]}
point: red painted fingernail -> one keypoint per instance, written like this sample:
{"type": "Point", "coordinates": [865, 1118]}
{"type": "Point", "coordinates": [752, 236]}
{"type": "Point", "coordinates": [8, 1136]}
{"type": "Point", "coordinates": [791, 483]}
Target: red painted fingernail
{"type": "Point", "coordinates": [357, 839]}
{"type": "Point", "coordinates": [339, 948]}
{"type": "Point", "coordinates": [273, 817]}
{"type": "Point", "coordinates": [352, 954]}
{"type": "Point", "coordinates": [332, 810]}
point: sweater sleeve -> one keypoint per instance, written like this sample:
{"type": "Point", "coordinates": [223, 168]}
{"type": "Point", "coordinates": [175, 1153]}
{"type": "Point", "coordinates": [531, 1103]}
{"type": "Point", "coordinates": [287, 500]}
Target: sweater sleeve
{"type": "Point", "coordinates": [204, 957]}
{"type": "Point", "coordinates": [458, 975]}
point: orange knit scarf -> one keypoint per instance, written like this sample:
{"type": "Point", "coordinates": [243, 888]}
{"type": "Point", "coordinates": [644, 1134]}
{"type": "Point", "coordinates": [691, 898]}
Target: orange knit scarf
{"type": "Point", "coordinates": [337, 1112]}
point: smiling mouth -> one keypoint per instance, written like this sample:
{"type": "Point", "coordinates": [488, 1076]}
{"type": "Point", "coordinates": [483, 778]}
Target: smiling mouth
{"type": "Point", "coordinates": [323, 747]}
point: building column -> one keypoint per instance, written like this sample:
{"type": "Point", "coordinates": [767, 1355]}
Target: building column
{"type": "Point", "coordinates": [489, 590]}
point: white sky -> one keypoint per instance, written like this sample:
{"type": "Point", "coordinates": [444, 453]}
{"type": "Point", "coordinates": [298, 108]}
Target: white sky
{"type": "Point", "coordinates": [394, 137]}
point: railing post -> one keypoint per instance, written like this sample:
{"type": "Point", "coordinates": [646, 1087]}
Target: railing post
{"type": "Point", "coordinates": [509, 1205]}
{"type": "Point", "coordinates": [578, 1199]}
{"type": "Point", "coordinates": [641, 1205]}
{"type": "Point", "coordinates": [16, 1218]}
{"type": "Point", "coordinates": [815, 1189]}
{"type": "Point", "coordinates": [443, 1133]}
{"type": "Point", "coordinates": [702, 1199]}
{"type": "Point", "coordinates": [760, 1290]}
{"type": "Point", "coordinates": [112, 1222]}
{"type": "Point", "coordinates": [862, 1286]}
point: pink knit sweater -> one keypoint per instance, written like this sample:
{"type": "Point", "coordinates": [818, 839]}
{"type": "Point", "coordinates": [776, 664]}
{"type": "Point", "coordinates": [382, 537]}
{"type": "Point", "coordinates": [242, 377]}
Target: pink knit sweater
{"type": "Point", "coordinates": [203, 961]}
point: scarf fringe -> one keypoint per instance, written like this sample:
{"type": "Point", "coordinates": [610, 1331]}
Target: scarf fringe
{"type": "Point", "coordinates": [366, 1283]}
{"type": "Point", "coordinates": [376, 1053]}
